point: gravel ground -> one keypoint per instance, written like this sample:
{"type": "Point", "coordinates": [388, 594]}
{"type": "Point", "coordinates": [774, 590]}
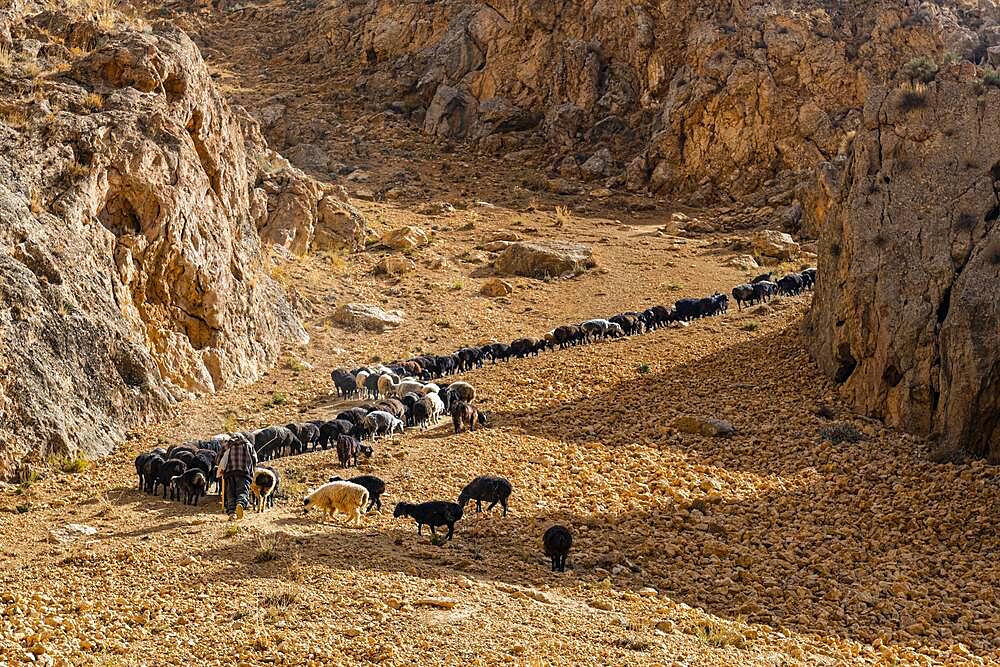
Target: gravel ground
{"type": "Point", "coordinates": [774, 546]}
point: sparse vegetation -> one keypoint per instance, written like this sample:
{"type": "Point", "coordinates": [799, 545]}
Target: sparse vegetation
{"type": "Point", "coordinates": [71, 465]}
{"type": "Point", "coordinates": [717, 635]}
{"type": "Point", "coordinates": [991, 77]}
{"type": "Point", "coordinates": [76, 170]}
{"type": "Point", "coordinates": [93, 101]}
{"type": "Point", "coordinates": [229, 423]}
{"type": "Point", "coordinates": [841, 432]}
{"type": "Point", "coordinates": [231, 530]}
{"type": "Point", "coordinates": [26, 475]}
{"type": "Point", "coordinates": [752, 325]}
{"type": "Point", "coordinates": [922, 69]}
{"type": "Point", "coordinates": [278, 398]}
{"type": "Point", "coordinates": [439, 540]}
{"type": "Point", "coordinates": [282, 600]}
{"type": "Point", "coordinates": [457, 285]}
{"type": "Point", "coordinates": [562, 216]}
{"type": "Point", "coordinates": [295, 365]}
{"type": "Point", "coordinates": [6, 59]}
{"type": "Point", "coordinates": [535, 181]}
{"type": "Point", "coordinates": [22, 508]}
{"type": "Point", "coordinates": [643, 368]}
{"type": "Point", "coordinates": [268, 548]}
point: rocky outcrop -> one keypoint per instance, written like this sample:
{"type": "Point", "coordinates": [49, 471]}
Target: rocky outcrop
{"type": "Point", "coordinates": [906, 316]}
{"type": "Point", "coordinates": [711, 100]}
{"type": "Point", "coordinates": [544, 259]}
{"type": "Point", "coordinates": [367, 316]}
{"type": "Point", "coordinates": [131, 269]}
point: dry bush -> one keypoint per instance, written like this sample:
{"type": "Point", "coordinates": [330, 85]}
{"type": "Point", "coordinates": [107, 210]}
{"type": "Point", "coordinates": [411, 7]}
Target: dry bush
{"type": "Point", "coordinates": [6, 59]}
{"type": "Point", "coordinates": [76, 170]}
{"type": "Point", "coordinates": [268, 548]}
{"type": "Point", "coordinates": [562, 216]}
{"type": "Point", "coordinates": [93, 101]}
{"type": "Point", "coordinates": [14, 117]}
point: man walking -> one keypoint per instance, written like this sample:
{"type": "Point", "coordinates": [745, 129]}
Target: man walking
{"type": "Point", "coordinates": [239, 458]}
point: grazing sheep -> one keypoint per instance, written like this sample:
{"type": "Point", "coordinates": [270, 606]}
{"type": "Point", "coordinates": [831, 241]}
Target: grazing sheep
{"type": "Point", "coordinates": [434, 513]}
{"type": "Point", "coordinates": [486, 488]}
{"type": "Point", "coordinates": [140, 465]}
{"type": "Point", "coordinates": [151, 472]}
{"type": "Point", "coordinates": [353, 415]}
{"type": "Point", "coordinates": [409, 386]}
{"type": "Point", "coordinates": [463, 416]}
{"type": "Point", "coordinates": [341, 496]}
{"type": "Point", "coordinates": [360, 379]}
{"type": "Point", "coordinates": [171, 468]}
{"type": "Point", "coordinates": [307, 434]}
{"type": "Point", "coordinates": [808, 277]}
{"type": "Point", "coordinates": [526, 347]}
{"type": "Point", "coordinates": [265, 481]}
{"type": "Point", "coordinates": [375, 486]}
{"type": "Point", "coordinates": [499, 351]}
{"type": "Point", "coordinates": [462, 391]}
{"type": "Point", "coordinates": [345, 383]}
{"type": "Point", "coordinates": [567, 335]}
{"type": "Point", "coordinates": [469, 358]}
{"type": "Point", "coordinates": [379, 422]}
{"type": "Point", "coordinates": [687, 309]}
{"type": "Point", "coordinates": [420, 413]}
{"type": "Point", "coordinates": [348, 448]}
{"type": "Point", "coordinates": [557, 541]}
{"type": "Point", "coordinates": [743, 294]}
{"type": "Point", "coordinates": [790, 284]}
{"type": "Point", "coordinates": [764, 290]}
{"type": "Point", "coordinates": [274, 441]}
{"type": "Point", "coordinates": [393, 406]}
{"type": "Point", "coordinates": [190, 486]}
{"type": "Point", "coordinates": [599, 329]}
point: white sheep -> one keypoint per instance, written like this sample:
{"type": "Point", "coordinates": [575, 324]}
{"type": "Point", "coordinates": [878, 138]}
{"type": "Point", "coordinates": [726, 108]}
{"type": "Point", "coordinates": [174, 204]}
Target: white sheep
{"type": "Point", "coordinates": [407, 385]}
{"type": "Point", "coordinates": [262, 487]}
{"type": "Point", "coordinates": [438, 404]}
{"type": "Point", "coordinates": [386, 385]}
{"type": "Point", "coordinates": [359, 379]}
{"type": "Point", "coordinates": [333, 497]}
{"type": "Point", "coordinates": [430, 388]}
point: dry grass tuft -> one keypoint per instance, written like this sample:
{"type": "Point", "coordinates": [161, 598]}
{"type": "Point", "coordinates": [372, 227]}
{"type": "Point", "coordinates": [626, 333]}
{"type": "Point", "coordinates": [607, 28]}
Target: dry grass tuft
{"type": "Point", "coordinates": [93, 101]}
{"type": "Point", "coordinates": [268, 548]}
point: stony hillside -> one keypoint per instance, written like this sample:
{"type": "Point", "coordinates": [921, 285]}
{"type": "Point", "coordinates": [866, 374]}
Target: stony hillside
{"type": "Point", "coordinates": [134, 199]}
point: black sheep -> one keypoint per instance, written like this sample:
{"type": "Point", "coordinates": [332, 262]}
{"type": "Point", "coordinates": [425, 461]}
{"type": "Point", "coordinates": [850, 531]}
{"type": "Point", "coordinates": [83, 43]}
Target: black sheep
{"type": "Point", "coordinates": [489, 489]}
{"type": "Point", "coordinates": [353, 415]}
{"type": "Point", "coordinates": [763, 291]}
{"type": "Point", "coordinates": [567, 335]}
{"type": "Point", "coordinates": [191, 486]}
{"type": "Point", "coordinates": [329, 431]}
{"type": "Point", "coordinates": [151, 472]}
{"type": "Point", "coordinates": [808, 278]}
{"type": "Point", "coordinates": [525, 347]}
{"type": "Point", "coordinates": [790, 284]}
{"type": "Point", "coordinates": [307, 434]}
{"type": "Point", "coordinates": [348, 448]}
{"type": "Point", "coordinates": [274, 441]}
{"type": "Point", "coordinates": [463, 416]}
{"type": "Point", "coordinates": [557, 542]}
{"type": "Point", "coordinates": [687, 309]}
{"type": "Point", "coordinates": [140, 464]}
{"type": "Point", "coordinates": [344, 382]}
{"type": "Point", "coordinates": [764, 277]}
{"type": "Point", "coordinates": [375, 486]}
{"type": "Point", "coordinates": [171, 468]}
{"type": "Point", "coordinates": [743, 294]}
{"type": "Point", "coordinates": [434, 513]}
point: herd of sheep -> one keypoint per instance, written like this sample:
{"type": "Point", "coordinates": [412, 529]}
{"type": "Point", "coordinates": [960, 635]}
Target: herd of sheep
{"type": "Point", "coordinates": [404, 394]}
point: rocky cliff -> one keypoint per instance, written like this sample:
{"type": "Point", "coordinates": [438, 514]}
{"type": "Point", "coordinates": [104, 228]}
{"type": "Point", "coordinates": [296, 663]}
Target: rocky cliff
{"type": "Point", "coordinates": [133, 199]}
{"type": "Point", "coordinates": [906, 314]}
{"type": "Point", "coordinates": [710, 101]}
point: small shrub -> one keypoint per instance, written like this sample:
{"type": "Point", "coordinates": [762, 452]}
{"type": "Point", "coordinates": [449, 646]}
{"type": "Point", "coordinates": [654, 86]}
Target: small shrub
{"type": "Point", "coordinates": [562, 216]}
{"type": "Point", "coordinates": [294, 571]}
{"type": "Point", "coordinates": [6, 59]}
{"type": "Point", "coordinates": [457, 285]}
{"type": "Point", "coordinates": [93, 101]}
{"type": "Point", "coordinates": [282, 600]}
{"type": "Point", "coordinates": [439, 539]}
{"type": "Point", "coordinates": [31, 70]}
{"type": "Point", "coordinates": [73, 465]}
{"type": "Point", "coordinates": [14, 117]}
{"type": "Point", "coordinates": [825, 412]}
{"type": "Point", "coordinates": [991, 77]}
{"type": "Point", "coordinates": [268, 549]}
{"type": "Point", "coordinates": [26, 476]}
{"type": "Point", "coordinates": [643, 368]}
{"type": "Point", "coordinates": [229, 423]}
{"type": "Point", "coordinates": [338, 262]}
{"type": "Point", "coordinates": [375, 359]}
{"type": "Point", "coordinates": [277, 398]}
{"type": "Point", "coordinates": [716, 635]}
{"type": "Point", "coordinates": [23, 508]}
{"type": "Point", "coordinates": [750, 326]}
{"type": "Point", "coordinates": [841, 432]}
{"type": "Point", "coordinates": [295, 365]}
{"type": "Point", "coordinates": [535, 181]}
{"type": "Point", "coordinates": [922, 69]}
{"type": "Point", "coordinates": [231, 530]}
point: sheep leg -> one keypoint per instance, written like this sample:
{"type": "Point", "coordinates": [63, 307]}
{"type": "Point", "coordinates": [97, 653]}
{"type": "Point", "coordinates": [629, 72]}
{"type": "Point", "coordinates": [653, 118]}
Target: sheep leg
{"type": "Point", "coordinates": [420, 529]}
{"type": "Point", "coordinates": [504, 504]}
{"type": "Point", "coordinates": [433, 529]}
{"type": "Point", "coordinates": [451, 529]}
{"type": "Point", "coordinates": [491, 506]}
{"type": "Point", "coordinates": [479, 506]}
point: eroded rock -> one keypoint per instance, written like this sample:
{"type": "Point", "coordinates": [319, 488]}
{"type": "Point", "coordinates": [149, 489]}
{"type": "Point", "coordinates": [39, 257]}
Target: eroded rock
{"type": "Point", "coordinates": [544, 259]}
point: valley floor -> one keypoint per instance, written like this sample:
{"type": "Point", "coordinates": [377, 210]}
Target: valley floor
{"type": "Point", "coordinates": [774, 546]}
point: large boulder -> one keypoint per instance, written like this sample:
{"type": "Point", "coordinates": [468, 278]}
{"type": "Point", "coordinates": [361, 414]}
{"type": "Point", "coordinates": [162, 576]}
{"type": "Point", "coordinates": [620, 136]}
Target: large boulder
{"type": "Point", "coordinates": [770, 244]}
{"type": "Point", "coordinates": [367, 316]}
{"type": "Point", "coordinates": [404, 238]}
{"type": "Point", "coordinates": [544, 259]}
{"type": "Point", "coordinates": [906, 316]}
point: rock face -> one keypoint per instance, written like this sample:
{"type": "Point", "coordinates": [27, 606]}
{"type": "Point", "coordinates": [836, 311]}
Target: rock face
{"type": "Point", "coordinates": [906, 315]}
{"type": "Point", "coordinates": [404, 238]}
{"type": "Point", "coordinates": [548, 259]}
{"type": "Point", "coordinates": [495, 287]}
{"type": "Point", "coordinates": [708, 99]}
{"type": "Point", "coordinates": [131, 270]}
